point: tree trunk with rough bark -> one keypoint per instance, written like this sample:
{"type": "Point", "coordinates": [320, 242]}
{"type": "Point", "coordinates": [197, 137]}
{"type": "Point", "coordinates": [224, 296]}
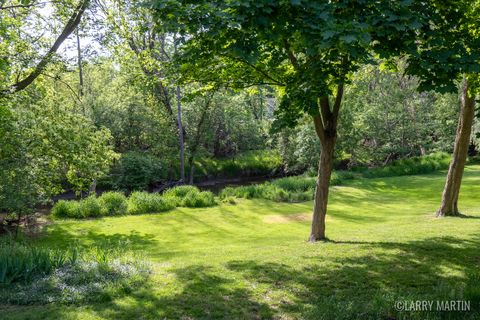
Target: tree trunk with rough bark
{"type": "Point", "coordinates": [321, 191]}
{"type": "Point", "coordinates": [326, 128]}
{"type": "Point", "coordinates": [449, 205]}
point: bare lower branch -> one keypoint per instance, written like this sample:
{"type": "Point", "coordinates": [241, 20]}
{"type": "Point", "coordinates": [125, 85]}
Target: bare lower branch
{"type": "Point", "coordinates": [338, 100]}
{"type": "Point", "coordinates": [319, 128]}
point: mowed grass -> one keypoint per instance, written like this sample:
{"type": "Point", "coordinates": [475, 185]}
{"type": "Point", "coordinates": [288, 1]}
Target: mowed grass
{"type": "Point", "coordinates": [251, 260]}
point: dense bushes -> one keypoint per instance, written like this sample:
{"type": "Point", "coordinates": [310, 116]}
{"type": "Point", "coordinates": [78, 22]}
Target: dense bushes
{"type": "Point", "coordinates": [199, 199]}
{"type": "Point", "coordinates": [190, 196]}
{"type": "Point", "coordinates": [289, 189]}
{"type": "Point", "coordinates": [115, 203]}
{"type": "Point", "coordinates": [30, 274]}
{"type": "Point", "coordinates": [65, 209]}
{"type": "Point", "coordinates": [138, 171]}
{"type": "Point", "coordinates": [268, 190]}
{"type": "Point", "coordinates": [110, 203]}
{"type": "Point", "coordinates": [251, 163]}
{"type": "Point", "coordinates": [180, 191]}
{"type": "Point", "coordinates": [144, 202]}
{"type": "Point", "coordinates": [410, 166]}
{"type": "Point", "coordinates": [134, 171]}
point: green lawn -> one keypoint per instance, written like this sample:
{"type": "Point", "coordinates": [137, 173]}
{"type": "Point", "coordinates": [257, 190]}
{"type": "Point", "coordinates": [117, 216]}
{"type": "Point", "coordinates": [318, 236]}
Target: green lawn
{"type": "Point", "coordinates": [251, 261]}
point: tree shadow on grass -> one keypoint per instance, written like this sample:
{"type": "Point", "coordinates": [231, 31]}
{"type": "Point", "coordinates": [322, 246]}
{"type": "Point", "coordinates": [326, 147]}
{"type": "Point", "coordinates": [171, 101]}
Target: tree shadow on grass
{"type": "Point", "coordinates": [358, 286]}
{"type": "Point", "coordinates": [367, 287]}
{"type": "Point", "coordinates": [348, 287]}
{"type": "Point", "coordinates": [465, 216]}
{"type": "Point", "coordinates": [204, 293]}
{"type": "Point", "coordinates": [61, 237]}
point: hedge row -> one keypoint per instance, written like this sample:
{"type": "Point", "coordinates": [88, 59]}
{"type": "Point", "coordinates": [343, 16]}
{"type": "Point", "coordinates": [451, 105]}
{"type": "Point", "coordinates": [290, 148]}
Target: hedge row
{"type": "Point", "coordinates": [116, 203]}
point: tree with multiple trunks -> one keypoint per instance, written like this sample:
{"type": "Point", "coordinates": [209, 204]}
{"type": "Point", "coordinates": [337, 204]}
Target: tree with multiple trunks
{"type": "Point", "coordinates": [447, 54]}
{"type": "Point", "coordinates": [307, 49]}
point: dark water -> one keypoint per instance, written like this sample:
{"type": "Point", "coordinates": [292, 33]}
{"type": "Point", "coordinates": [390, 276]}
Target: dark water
{"type": "Point", "coordinates": [218, 185]}
{"type": "Point", "coordinates": [214, 186]}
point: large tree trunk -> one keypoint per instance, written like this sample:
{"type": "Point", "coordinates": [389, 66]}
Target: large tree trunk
{"type": "Point", "coordinates": [326, 128]}
{"type": "Point", "coordinates": [321, 190]}
{"type": "Point", "coordinates": [449, 206]}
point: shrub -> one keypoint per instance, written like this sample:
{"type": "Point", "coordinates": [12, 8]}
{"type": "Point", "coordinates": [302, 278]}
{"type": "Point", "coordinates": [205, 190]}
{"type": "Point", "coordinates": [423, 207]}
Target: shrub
{"type": "Point", "coordinates": [250, 163]}
{"type": "Point", "coordinates": [229, 192]}
{"type": "Point", "coordinates": [273, 192]}
{"type": "Point", "coordinates": [65, 209]}
{"type": "Point", "coordinates": [474, 159]}
{"type": "Point", "coordinates": [135, 171]}
{"type": "Point", "coordinates": [415, 165]}
{"type": "Point", "coordinates": [113, 203]}
{"type": "Point", "coordinates": [173, 200]}
{"type": "Point", "coordinates": [196, 199]}
{"type": "Point", "coordinates": [89, 207]}
{"type": "Point", "coordinates": [346, 175]}
{"type": "Point", "coordinates": [180, 191]}
{"type": "Point", "coordinates": [295, 184]}
{"type": "Point", "coordinates": [144, 202]}
{"type": "Point", "coordinates": [229, 200]}
{"type": "Point", "coordinates": [251, 191]}
{"type": "Point", "coordinates": [190, 196]}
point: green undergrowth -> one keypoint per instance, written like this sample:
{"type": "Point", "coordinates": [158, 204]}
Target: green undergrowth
{"type": "Point", "coordinates": [247, 164]}
{"type": "Point", "coordinates": [116, 204]}
{"type": "Point", "coordinates": [301, 188]}
{"type": "Point", "coordinates": [31, 274]}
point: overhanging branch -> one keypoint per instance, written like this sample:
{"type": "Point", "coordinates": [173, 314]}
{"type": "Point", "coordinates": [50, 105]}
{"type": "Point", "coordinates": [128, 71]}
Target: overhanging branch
{"type": "Point", "coordinates": [71, 25]}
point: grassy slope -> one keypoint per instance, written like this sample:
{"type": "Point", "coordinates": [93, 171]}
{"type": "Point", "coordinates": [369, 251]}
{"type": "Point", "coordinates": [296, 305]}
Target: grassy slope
{"type": "Point", "coordinates": [246, 261]}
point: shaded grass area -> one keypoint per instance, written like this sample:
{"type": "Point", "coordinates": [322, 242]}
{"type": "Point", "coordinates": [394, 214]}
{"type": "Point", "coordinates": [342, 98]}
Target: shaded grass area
{"type": "Point", "coordinates": [232, 262]}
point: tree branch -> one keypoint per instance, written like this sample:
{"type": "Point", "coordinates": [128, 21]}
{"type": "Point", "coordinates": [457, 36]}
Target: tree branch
{"type": "Point", "coordinates": [159, 88]}
{"type": "Point", "coordinates": [266, 75]}
{"type": "Point", "coordinates": [22, 6]}
{"type": "Point", "coordinates": [325, 111]}
{"type": "Point", "coordinates": [290, 54]}
{"type": "Point", "coordinates": [338, 100]}
{"type": "Point", "coordinates": [317, 121]}
{"type": "Point", "coordinates": [71, 25]}
{"type": "Point", "coordinates": [57, 78]}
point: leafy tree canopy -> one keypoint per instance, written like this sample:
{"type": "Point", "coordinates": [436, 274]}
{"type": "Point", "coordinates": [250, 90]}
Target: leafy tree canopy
{"type": "Point", "coordinates": [448, 47]}
{"type": "Point", "coordinates": [306, 47]}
